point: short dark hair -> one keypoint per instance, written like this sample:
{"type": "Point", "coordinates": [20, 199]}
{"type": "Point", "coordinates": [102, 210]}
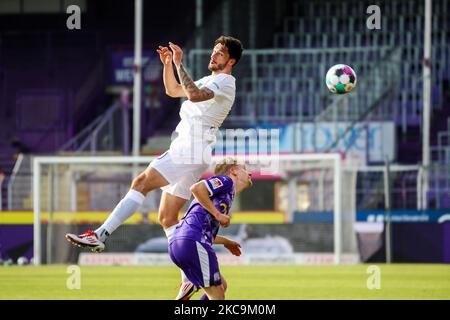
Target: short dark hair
{"type": "Point", "coordinates": [233, 45]}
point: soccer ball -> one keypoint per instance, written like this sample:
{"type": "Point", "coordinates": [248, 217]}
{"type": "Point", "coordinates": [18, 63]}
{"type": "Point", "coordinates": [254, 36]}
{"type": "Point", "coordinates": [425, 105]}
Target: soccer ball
{"type": "Point", "coordinates": [22, 261]}
{"type": "Point", "coordinates": [340, 78]}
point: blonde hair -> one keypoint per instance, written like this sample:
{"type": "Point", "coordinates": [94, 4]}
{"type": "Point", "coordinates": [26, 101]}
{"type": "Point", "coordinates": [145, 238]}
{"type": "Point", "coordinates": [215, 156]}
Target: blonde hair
{"type": "Point", "coordinates": [225, 165]}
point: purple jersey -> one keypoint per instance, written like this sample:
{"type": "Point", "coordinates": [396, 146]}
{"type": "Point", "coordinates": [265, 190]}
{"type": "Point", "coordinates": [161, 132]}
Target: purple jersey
{"type": "Point", "coordinates": [198, 224]}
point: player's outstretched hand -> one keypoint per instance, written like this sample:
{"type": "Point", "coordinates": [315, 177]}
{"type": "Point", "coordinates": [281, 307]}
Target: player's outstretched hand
{"type": "Point", "coordinates": [177, 54]}
{"type": "Point", "coordinates": [233, 247]}
{"type": "Point", "coordinates": [165, 55]}
{"type": "Point", "coordinates": [224, 220]}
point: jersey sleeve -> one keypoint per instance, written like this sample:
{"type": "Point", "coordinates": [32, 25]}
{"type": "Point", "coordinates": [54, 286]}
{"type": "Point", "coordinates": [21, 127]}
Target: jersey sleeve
{"type": "Point", "coordinates": [218, 184]}
{"type": "Point", "coordinates": [199, 81]}
{"type": "Point", "coordinates": [223, 87]}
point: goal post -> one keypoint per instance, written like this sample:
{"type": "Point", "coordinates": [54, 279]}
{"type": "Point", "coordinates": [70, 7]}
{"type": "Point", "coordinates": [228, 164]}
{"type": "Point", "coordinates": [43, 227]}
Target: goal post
{"type": "Point", "coordinates": [54, 160]}
{"type": "Point", "coordinates": [56, 184]}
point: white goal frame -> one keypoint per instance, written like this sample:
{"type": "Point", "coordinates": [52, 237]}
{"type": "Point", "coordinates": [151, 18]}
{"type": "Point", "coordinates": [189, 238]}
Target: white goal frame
{"type": "Point", "coordinates": [334, 158]}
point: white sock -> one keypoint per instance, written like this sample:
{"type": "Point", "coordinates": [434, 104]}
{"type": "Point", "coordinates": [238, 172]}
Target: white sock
{"type": "Point", "coordinates": [124, 209]}
{"type": "Point", "coordinates": [169, 231]}
{"type": "Point", "coordinates": [102, 234]}
{"type": "Point", "coordinates": [184, 279]}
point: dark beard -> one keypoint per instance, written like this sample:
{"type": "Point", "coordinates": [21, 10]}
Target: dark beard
{"type": "Point", "coordinates": [218, 67]}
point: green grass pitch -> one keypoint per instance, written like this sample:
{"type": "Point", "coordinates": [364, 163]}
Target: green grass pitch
{"type": "Point", "coordinates": [398, 281]}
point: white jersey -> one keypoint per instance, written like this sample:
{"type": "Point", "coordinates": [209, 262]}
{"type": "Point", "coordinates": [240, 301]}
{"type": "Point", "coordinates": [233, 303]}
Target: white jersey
{"type": "Point", "coordinates": [197, 118]}
{"type": "Point", "coordinates": [200, 121]}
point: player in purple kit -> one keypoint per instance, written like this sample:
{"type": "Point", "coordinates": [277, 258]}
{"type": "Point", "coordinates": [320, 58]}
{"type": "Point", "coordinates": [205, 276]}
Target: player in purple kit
{"type": "Point", "coordinates": [190, 246]}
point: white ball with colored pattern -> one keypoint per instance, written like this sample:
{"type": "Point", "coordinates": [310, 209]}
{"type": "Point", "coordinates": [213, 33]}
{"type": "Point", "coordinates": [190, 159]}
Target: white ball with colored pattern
{"type": "Point", "coordinates": [340, 79]}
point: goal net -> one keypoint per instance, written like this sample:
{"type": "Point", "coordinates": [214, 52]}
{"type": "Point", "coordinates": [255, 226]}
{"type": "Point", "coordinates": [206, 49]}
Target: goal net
{"type": "Point", "coordinates": [299, 204]}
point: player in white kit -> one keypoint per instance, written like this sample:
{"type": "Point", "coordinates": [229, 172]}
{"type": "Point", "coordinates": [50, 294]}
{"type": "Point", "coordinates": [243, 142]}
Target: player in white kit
{"type": "Point", "coordinates": [209, 100]}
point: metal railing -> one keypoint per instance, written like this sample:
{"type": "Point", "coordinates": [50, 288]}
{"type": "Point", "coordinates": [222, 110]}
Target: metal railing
{"type": "Point", "coordinates": [405, 187]}
{"type": "Point", "coordinates": [440, 153]}
{"type": "Point", "coordinates": [107, 132]}
{"type": "Point", "coordinates": [12, 180]}
{"type": "Point", "coordinates": [440, 184]}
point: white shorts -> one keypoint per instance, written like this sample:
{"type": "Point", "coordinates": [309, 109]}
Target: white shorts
{"type": "Point", "coordinates": [181, 176]}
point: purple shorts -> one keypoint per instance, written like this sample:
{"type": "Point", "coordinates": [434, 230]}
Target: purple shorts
{"type": "Point", "coordinates": [197, 260]}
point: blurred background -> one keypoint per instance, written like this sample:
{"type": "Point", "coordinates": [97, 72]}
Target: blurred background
{"type": "Point", "coordinates": [69, 93]}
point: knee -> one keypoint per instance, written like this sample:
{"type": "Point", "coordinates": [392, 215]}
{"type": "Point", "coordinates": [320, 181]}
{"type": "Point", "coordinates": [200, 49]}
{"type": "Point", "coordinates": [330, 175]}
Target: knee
{"type": "Point", "coordinates": [167, 218]}
{"type": "Point", "coordinates": [140, 183]}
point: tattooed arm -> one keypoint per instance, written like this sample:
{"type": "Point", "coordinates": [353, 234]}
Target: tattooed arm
{"type": "Point", "coordinates": [190, 89]}
{"type": "Point", "coordinates": [193, 93]}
